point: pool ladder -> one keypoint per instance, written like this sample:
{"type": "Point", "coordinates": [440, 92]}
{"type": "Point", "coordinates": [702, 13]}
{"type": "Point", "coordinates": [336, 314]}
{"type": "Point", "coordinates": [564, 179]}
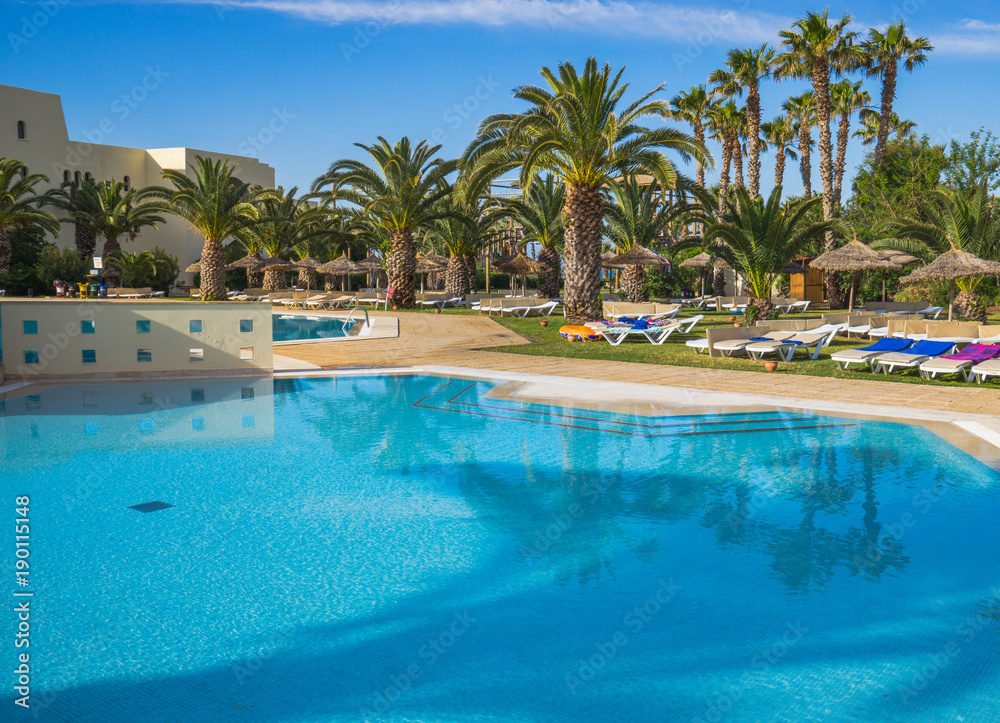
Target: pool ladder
{"type": "Point", "coordinates": [363, 310]}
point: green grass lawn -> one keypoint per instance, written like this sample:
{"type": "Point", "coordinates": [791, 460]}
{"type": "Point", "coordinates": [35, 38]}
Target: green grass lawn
{"type": "Point", "coordinates": [548, 342]}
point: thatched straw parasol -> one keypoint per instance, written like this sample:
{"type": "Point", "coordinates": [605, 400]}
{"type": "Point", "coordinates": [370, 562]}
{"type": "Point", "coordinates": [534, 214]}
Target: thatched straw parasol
{"type": "Point", "coordinates": [900, 257]}
{"type": "Point", "coordinates": [275, 263]}
{"type": "Point", "coordinates": [371, 263]}
{"type": "Point", "coordinates": [307, 263]}
{"type": "Point", "coordinates": [639, 256]}
{"type": "Point", "coordinates": [425, 266]}
{"type": "Point", "coordinates": [436, 257]}
{"type": "Point", "coordinates": [341, 266]}
{"type": "Point", "coordinates": [702, 262]}
{"type": "Point", "coordinates": [793, 267]}
{"type": "Point", "coordinates": [952, 265]}
{"type": "Point", "coordinates": [247, 262]}
{"type": "Point", "coordinates": [853, 257]}
{"type": "Point", "coordinates": [521, 265]}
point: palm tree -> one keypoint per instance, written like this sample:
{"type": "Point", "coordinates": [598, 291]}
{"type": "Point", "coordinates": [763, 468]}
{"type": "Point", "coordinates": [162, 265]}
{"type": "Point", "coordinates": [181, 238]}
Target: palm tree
{"type": "Point", "coordinates": [802, 110]}
{"type": "Point", "coordinates": [463, 235]}
{"type": "Point", "coordinates": [954, 221]}
{"type": "Point", "coordinates": [693, 106]}
{"type": "Point", "coordinates": [540, 214]}
{"type": "Point", "coordinates": [847, 97]}
{"type": "Point", "coordinates": [113, 212]}
{"type": "Point", "coordinates": [815, 49]}
{"type": "Point", "coordinates": [883, 52]}
{"type": "Point", "coordinates": [134, 268]}
{"type": "Point", "coordinates": [217, 206]}
{"type": "Point", "coordinates": [70, 198]}
{"type": "Point", "coordinates": [723, 124]}
{"type": "Point", "coordinates": [283, 221]}
{"type": "Point", "coordinates": [20, 206]}
{"type": "Point", "coordinates": [871, 121]}
{"type": "Point", "coordinates": [780, 133]}
{"type": "Point", "coordinates": [636, 216]}
{"type": "Point", "coordinates": [745, 68]}
{"type": "Point", "coordinates": [578, 131]}
{"type": "Point", "coordinates": [404, 192]}
{"type": "Point", "coordinates": [759, 237]}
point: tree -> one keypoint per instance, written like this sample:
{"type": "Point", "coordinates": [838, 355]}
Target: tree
{"type": "Point", "coordinates": [540, 214]}
{"type": "Point", "coordinates": [801, 110]}
{"type": "Point", "coordinates": [463, 235]}
{"type": "Point", "coordinates": [969, 163]}
{"type": "Point", "coordinates": [20, 206]}
{"type": "Point", "coordinates": [871, 120]}
{"type": "Point", "coordinates": [757, 238]}
{"type": "Point", "coordinates": [815, 49]}
{"type": "Point", "coordinates": [580, 131]}
{"type": "Point", "coordinates": [61, 265]}
{"type": "Point", "coordinates": [113, 212]}
{"type": "Point", "coordinates": [694, 106]}
{"type": "Point", "coordinates": [847, 97]}
{"type": "Point", "coordinates": [883, 51]}
{"type": "Point", "coordinates": [953, 221]}
{"type": "Point", "coordinates": [217, 206]}
{"type": "Point", "coordinates": [745, 68]}
{"type": "Point", "coordinates": [70, 198]}
{"type": "Point", "coordinates": [780, 133]}
{"type": "Point", "coordinates": [402, 193]}
{"type": "Point", "coordinates": [724, 124]}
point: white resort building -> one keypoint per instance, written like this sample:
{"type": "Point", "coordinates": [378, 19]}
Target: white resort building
{"type": "Point", "coordinates": [33, 130]}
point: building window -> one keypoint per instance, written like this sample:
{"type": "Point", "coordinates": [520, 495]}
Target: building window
{"type": "Point", "coordinates": [143, 326]}
{"type": "Point", "coordinates": [246, 393]}
{"type": "Point", "coordinates": [197, 396]}
{"type": "Point", "coordinates": [246, 353]}
{"type": "Point", "coordinates": [87, 327]}
{"type": "Point", "coordinates": [145, 397]}
{"type": "Point", "coordinates": [24, 171]}
{"type": "Point", "coordinates": [87, 176]}
{"type": "Point", "coordinates": [128, 183]}
{"type": "Point", "coordinates": [195, 326]}
{"type": "Point", "coordinates": [76, 178]}
{"type": "Point", "coordinates": [89, 356]}
{"type": "Point", "coordinates": [30, 357]}
{"type": "Point", "coordinates": [144, 355]}
{"type": "Point", "coordinates": [197, 355]}
{"type": "Point", "coordinates": [30, 327]}
{"type": "Point", "coordinates": [89, 399]}
{"type": "Point", "coordinates": [246, 326]}
{"type": "Point", "coordinates": [21, 130]}
{"type": "Point", "coordinates": [66, 176]}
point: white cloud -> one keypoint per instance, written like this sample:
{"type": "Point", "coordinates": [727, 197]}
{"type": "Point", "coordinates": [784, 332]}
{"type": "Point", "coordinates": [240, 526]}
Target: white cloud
{"type": "Point", "coordinates": [969, 37]}
{"type": "Point", "coordinates": [696, 24]}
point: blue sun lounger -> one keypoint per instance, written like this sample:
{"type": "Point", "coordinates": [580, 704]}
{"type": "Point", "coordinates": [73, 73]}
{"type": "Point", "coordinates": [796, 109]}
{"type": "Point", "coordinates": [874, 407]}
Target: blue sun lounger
{"type": "Point", "coordinates": [867, 354]}
{"type": "Point", "coordinates": [913, 356]}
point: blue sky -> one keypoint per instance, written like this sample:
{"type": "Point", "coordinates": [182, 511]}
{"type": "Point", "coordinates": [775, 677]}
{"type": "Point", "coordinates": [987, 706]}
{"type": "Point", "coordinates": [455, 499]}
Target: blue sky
{"type": "Point", "coordinates": [297, 82]}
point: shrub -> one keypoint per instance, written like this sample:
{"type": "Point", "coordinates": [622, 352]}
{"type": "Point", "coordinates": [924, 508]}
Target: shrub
{"type": "Point", "coordinates": [55, 265]}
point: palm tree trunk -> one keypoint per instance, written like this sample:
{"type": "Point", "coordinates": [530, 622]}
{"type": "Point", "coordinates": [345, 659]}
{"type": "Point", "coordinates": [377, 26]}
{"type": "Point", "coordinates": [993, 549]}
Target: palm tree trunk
{"type": "Point", "coordinates": [634, 281]}
{"type": "Point", "coordinates": [470, 269]}
{"type": "Point", "coordinates": [738, 162]}
{"type": "Point", "coordinates": [402, 264]}
{"type": "Point", "coordinates": [888, 94]}
{"type": "Point", "coordinates": [699, 135]}
{"type": "Point", "coordinates": [582, 256]}
{"type": "Point", "coordinates": [821, 89]}
{"type": "Point", "coordinates": [213, 271]}
{"type": "Point", "coordinates": [753, 139]}
{"type": "Point", "coordinates": [85, 240]}
{"type": "Point", "coordinates": [6, 251]}
{"type": "Point", "coordinates": [330, 282]}
{"type": "Point", "coordinates": [274, 279]}
{"type": "Point", "coordinates": [779, 166]}
{"type": "Point", "coordinates": [805, 158]}
{"type": "Point", "coordinates": [307, 278]}
{"type": "Point", "coordinates": [457, 276]}
{"type": "Point", "coordinates": [843, 134]}
{"type": "Point", "coordinates": [548, 284]}
{"type": "Point", "coordinates": [719, 282]}
{"type": "Point", "coordinates": [727, 160]}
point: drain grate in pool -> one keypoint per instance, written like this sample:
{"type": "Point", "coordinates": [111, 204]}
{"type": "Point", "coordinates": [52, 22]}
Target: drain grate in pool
{"type": "Point", "coordinates": [150, 506]}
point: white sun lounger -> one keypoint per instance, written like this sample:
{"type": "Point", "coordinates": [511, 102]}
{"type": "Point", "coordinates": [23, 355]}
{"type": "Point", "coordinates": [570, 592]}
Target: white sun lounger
{"type": "Point", "coordinates": [786, 348]}
{"type": "Point", "coordinates": [794, 307]}
{"type": "Point", "coordinates": [985, 369]}
{"type": "Point", "coordinates": [731, 346]}
{"type": "Point", "coordinates": [887, 363]}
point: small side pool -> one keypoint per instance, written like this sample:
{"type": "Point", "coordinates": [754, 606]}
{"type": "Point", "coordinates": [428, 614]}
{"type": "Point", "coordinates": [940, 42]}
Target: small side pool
{"type": "Point", "coordinates": [297, 327]}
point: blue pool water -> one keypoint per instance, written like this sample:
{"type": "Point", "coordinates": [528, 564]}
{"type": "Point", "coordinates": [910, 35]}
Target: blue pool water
{"type": "Point", "coordinates": [296, 327]}
{"type": "Point", "coordinates": [408, 549]}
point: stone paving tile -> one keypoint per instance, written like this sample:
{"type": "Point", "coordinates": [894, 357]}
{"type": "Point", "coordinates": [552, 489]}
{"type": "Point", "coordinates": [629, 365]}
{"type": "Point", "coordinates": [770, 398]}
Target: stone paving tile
{"type": "Point", "coordinates": [456, 340]}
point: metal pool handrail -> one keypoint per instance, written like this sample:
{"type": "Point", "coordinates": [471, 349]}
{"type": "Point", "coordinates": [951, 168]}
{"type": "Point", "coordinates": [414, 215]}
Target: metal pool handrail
{"type": "Point", "coordinates": [363, 310]}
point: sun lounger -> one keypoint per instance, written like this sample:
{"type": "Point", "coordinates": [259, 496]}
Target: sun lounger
{"type": "Point", "coordinates": [786, 348]}
{"type": "Point", "coordinates": [731, 346]}
{"type": "Point", "coordinates": [961, 362]}
{"type": "Point", "coordinates": [794, 307]}
{"type": "Point", "coordinates": [914, 356]}
{"type": "Point", "coordinates": [867, 355]}
{"type": "Point", "coordinates": [985, 369]}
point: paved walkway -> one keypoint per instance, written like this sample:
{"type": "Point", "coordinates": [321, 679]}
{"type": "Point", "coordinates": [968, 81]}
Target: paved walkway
{"type": "Point", "coordinates": [446, 340]}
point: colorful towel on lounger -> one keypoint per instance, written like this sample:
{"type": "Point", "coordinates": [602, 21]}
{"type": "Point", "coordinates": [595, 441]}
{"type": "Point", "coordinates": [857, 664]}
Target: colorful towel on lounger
{"type": "Point", "coordinates": [976, 353]}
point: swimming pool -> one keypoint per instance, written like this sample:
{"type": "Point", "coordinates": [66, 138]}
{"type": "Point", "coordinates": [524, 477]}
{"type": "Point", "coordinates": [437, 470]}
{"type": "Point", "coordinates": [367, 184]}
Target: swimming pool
{"type": "Point", "coordinates": [299, 327]}
{"type": "Point", "coordinates": [408, 548]}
